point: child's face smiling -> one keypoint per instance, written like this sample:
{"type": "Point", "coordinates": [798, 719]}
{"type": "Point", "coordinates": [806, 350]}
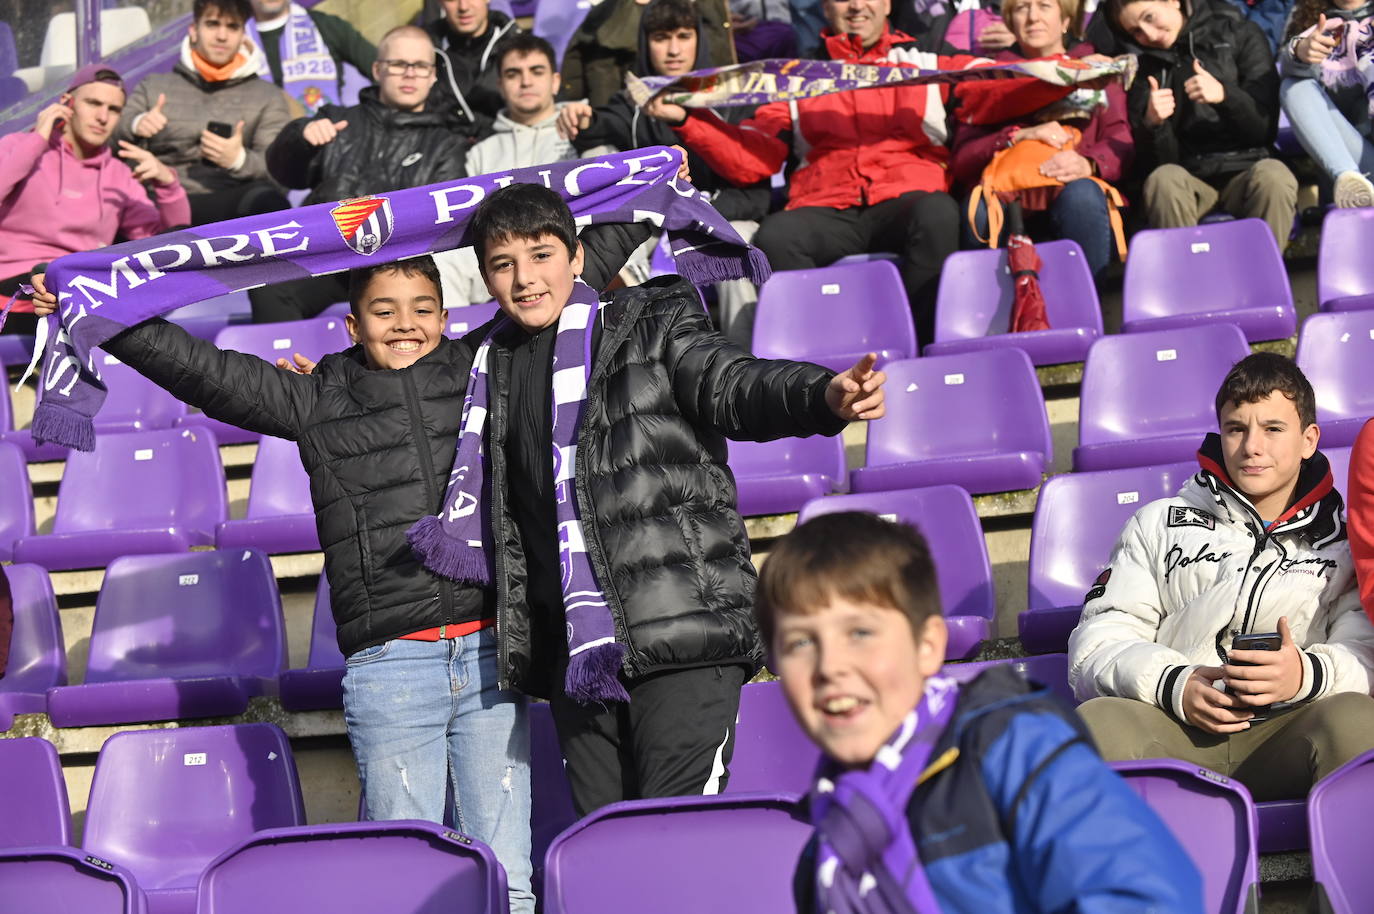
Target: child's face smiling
{"type": "Point", "coordinates": [853, 671]}
{"type": "Point", "coordinates": [399, 319]}
{"type": "Point", "coordinates": [531, 278]}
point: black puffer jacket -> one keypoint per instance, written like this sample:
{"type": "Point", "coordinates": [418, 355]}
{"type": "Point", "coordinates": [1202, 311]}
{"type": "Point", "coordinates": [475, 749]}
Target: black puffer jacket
{"type": "Point", "coordinates": [378, 445]}
{"type": "Point", "coordinates": [666, 540]}
{"type": "Point", "coordinates": [381, 149]}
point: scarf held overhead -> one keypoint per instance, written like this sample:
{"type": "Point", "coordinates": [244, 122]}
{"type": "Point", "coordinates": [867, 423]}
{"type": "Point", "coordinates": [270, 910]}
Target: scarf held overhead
{"type": "Point", "coordinates": [101, 293]}
{"type": "Point", "coordinates": [457, 543]}
{"type": "Point", "coordinates": [763, 81]}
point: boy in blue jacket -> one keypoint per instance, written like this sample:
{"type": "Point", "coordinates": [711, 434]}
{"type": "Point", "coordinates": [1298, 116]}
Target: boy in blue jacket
{"type": "Point", "coordinates": [936, 795]}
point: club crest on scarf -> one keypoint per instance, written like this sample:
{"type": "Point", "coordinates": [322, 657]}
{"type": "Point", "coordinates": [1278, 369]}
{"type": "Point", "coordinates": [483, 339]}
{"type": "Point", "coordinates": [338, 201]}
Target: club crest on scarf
{"type": "Point", "coordinates": [364, 223]}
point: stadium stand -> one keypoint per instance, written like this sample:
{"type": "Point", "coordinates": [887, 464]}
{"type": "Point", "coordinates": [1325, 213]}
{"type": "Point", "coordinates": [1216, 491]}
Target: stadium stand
{"type": "Point", "coordinates": [16, 498]}
{"type": "Point", "coordinates": [1336, 352]}
{"type": "Point", "coordinates": [775, 477]}
{"type": "Point", "coordinates": [1338, 818]}
{"type": "Point", "coordinates": [67, 879]}
{"type": "Point", "coordinates": [37, 660]}
{"type": "Point", "coordinates": [319, 684]}
{"type": "Point", "coordinates": [1344, 280]}
{"type": "Point", "coordinates": [33, 794]}
{"type": "Point", "coordinates": [280, 516]}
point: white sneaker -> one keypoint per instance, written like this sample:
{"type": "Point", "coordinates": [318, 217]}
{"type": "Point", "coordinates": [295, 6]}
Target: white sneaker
{"type": "Point", "coordinates": [1353, 190]}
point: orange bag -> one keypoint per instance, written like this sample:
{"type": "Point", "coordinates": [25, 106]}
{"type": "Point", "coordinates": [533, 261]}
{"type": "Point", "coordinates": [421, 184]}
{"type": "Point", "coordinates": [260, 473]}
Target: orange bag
{"type": "Point", "coordinates": [1014, 174]}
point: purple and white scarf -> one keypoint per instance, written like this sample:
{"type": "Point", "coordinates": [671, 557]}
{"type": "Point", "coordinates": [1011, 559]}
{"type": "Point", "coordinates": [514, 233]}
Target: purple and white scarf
{"type": "Point", "coordinates": [1351, 62]}
{"type": "Point", "coordinates": [866, 861]}
{"type": "Point", "coordinates": [308, 71]}
{"type": "Point", "coordinates": [103, 292]}
{"type": "Point", "coordinates": [457, 543]}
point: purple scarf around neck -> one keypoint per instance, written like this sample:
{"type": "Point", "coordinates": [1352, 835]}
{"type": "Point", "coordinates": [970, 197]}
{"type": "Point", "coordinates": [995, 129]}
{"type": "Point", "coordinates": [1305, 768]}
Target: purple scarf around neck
{"type": "Point", "coordinates": [457, 543]}
{"type": "Point", "coordinates": [867, 862]}
{"type": "Point", "coordinates": [103, 292]}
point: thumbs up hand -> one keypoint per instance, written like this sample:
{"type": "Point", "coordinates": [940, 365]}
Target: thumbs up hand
{"type": "Point", "coordinates": [1160, 106]}
{"type": "Point", "coordinates": [1317, 44]}
{"type": "Point", "coordinates": [1203, 86]}
{"type": "Point", "coordinates": [153, 120]}
{"type": "Point", "coordinates": [322, 131]}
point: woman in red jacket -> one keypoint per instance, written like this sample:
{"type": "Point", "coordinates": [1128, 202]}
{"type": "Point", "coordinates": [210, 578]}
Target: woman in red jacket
{"type": "Point", "coordinates": [1079, 212]}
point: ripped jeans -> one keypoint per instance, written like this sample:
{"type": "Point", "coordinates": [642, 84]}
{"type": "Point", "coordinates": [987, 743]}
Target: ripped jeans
{"type": "Point", "coordinates": [412, 746]}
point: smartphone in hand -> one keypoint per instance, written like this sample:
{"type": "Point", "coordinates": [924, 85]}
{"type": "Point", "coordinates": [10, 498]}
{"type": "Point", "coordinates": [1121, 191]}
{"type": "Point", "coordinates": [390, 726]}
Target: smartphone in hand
{"type": "Point", "coordinates": [218, 128]}
{"type": "Point", "coordinates": [1267, 641]}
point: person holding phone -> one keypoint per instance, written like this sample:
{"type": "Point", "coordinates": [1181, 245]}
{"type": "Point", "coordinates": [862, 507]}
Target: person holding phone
{"type": "Point", "coordinates": [212, 118]}
{"type": "Point", "coordinates": [1226, 630]}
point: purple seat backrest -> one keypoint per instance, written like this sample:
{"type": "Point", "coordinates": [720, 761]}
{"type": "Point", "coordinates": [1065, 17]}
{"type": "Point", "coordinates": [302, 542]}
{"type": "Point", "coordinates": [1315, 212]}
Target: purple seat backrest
{"type": "Point", "coordinates": [1339, 458]}
{"type": "Point", "coordinates": [945, 514]}
{"type": "Point", "coordinates": [280, 484]}
{"type": "Point", "coordinates": [313, 338]}
{"type": "Point", "coordinates": [187, 614]}
{"type": "Point", "coordinates": [61, 879]}
{"type": "Point", "coordinates": [38, 656]}
{"type": "Point", "coordinates": [932, 404]}
{"type": "Point", "coordinates": [1222, 266]}
{"type": "Point", "coordinates": [1336, 352]}
{"type": "Point", "coordinates": [551, 805]}
{"type": "Point", "coordinates": [686, 854]}
{"type": "Point", "coordinates": [168, 477]}
{"type": "Point", "coordinates": [164, 803]}
{"type": "Point", "coordinates": [324, 640]}
{"type": "Point", "coordinates": [789, 457]}
{"type": "Point", "coordinates": [1161, 382]}
{"type": "Point", "coordinates": [1078, 519]}
{"type": "Point", "coordinates": [469, 317]}
{"type": "Point", "coordinates": [976, 295]}
{"type": "Point", "coordinates": [406, 866]}
{"type": "Point", "coordinates": [772, 753]}
{"type": "Point", "coordinates": [556, 20]}
{"type": "Point", "coordinates": [1213, 818]}
{"type": "Point", "coordinates": [839, 310]}
{"type": "Point", "coordinates": [133, 400]}
{"type": "Point", "coordinates": [1343, 266]}
{"type": "Point", "coordinates": [33, 794]}
{"type": "Point", "coordinates": [9, 54]}
{"type": "Point", "coordinates": [230, 305]}
{"type": "Point", "coordinates": [6, 407]}
{"type": "Point", "coordinates": [1338, 818]}
{"type": "Point", "coordinates": [1049, 670]}
{"type": "Point", "coordinates": [16, 497]}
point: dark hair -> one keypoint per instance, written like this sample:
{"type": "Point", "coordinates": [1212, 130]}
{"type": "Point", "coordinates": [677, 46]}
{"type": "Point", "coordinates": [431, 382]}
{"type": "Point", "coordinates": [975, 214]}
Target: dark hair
{"type": "Point", "coordinates": [850, 554]}
{"type": "Point", "coordinates": [669, 16]}
{"type": "Point", "coordinates": [1115, 8]}
{"type": "Point", "coordinates": [1258, 375]}
{"type": "Point", "coordinates": [1304, 15]}
{"type": "Point", "coordinates": [360, 277]}
{"type": "Point", "coordinates": [521, 211]}
{"type": "Point", "coordinates": [243, 9]}
{"type": "Point", "coordinates": [524, 43]}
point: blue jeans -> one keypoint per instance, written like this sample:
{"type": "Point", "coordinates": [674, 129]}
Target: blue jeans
{"type": "Point", "coordinates": [1079, 214]}
{"type": "Point", "coordinates": [413, 747]}
{"type": "Point", "coordinates": [1324, 131]}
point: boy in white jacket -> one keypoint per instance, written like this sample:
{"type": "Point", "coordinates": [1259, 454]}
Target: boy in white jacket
{"type": "Point", "coordinates": [1254, 543]}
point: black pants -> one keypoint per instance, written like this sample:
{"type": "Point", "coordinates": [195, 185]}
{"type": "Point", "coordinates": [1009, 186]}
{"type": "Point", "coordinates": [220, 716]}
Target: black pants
{"type": "Point", "coordinates": [245, 200]}
{"type": "Point", "coordinates": [675, 737]}
{"type": "Point", "coordinates": [298, 299]}
{"type": "Point", "coordinates": [921, 227]}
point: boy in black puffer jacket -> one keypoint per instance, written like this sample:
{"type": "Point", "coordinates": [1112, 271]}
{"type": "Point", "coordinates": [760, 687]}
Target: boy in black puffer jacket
{"type": "Point", "coordinates": [653, 573]}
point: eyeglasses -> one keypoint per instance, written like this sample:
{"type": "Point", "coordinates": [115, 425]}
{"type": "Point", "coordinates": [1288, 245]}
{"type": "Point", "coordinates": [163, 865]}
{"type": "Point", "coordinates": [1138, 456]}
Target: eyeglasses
{"type": "Point", "coordinates": [402, 67]}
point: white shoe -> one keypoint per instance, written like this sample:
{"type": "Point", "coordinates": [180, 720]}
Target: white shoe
{"type": "Point", "coordinates": [1353, 190]}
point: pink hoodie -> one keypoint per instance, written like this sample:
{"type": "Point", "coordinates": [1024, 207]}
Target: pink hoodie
{"type": "Point", "coordinates": [52, 203]}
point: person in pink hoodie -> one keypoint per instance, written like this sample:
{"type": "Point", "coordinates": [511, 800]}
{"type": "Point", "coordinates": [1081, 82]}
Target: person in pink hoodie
{"type": "Point", "coordinates": [63, 190]}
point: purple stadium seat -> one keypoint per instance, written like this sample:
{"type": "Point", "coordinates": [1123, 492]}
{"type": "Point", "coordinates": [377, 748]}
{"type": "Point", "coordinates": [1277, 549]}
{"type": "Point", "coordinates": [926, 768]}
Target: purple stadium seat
{"type": "Point", "coordinates": [1339, 822]}
{"type": "Point", "coordinates": [33, 795]}
{"type": "Point", "coordinates": [834, 315]}
{"type": "Point", "coordinates": [469, 317]}
{"type": "Point", "coordinates": [947, 516]}
{"type": "Point", "coordinates": [1282, 826]}
{"type": "Point", "coordinates": [1336, 352]}
{"type": "Point", "coordinates": [6, 407]}
{"type": "Point", "coordinates": [1147, 398]}
{"type": "Point", "coordinates": [164, 803]}
{"type": "Point", "coordinates": [281, 517]}
{"type": "Point", "coordinates": [557, 20]}
{"type": "Point", "coordinates": [973, 308]}
{"type": "Point", "coordinates": [135, 494]}
{"type": "Point", "coordinates": [778, 477]}
{"type": "Point", "coordinates": [313, 338]}
{"type": "Point", "coordinates": [1229, 272]}
{"type": "Point", "coordinates": [686, 854]}
{"type": "Point", "coordinates": [64, 880]}
{"type": "Point", "coordinates": [319, 686]}
{"type": "Point", "coordinates": [1213, 818]}
{"type": "Point", "coordinates": [401, 867]}
{"type": "Point", "coordinates": [975, 420]}
{"type": "Point", "coordinates": [1339, 459]}
{"type": "Point", "coordinates": [206, 319]}
{"type": "Point", "coordinates": [1078, 518]}
{"type": "Point", "coordinates": [1345, 277]}
{"type": "Point", "coordinates": [551, 805]}
{"type": "Point", "coordinates": [772, 753]}
{"type": "Point", "coordinates": [178, 636]}
{"type": "Point", "coordinates": [1049, 670]}
{"type": "Point", "coordinates": [16, 498]}
{"type": "Point", "coordinates": [38, 656]}
{"type": "Point", "coordinates": [15, 349]}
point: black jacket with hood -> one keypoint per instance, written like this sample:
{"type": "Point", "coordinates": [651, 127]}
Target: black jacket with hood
{"type": "Point", "coordinates": [467, 68]}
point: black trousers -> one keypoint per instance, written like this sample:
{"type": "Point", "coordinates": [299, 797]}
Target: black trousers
{"type": "Point", "coordinates": [921, 227]}
{"type": "Point", "coordinates": [675, 737]}
{"type": "Point", "coordinates": [298, 299]}
{"type": "Point", "coordinates": [249, 199]}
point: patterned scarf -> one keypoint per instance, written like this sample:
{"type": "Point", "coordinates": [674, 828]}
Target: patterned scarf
{"type": "Point", "coordinates": [1351, 62]}
{"type": "Point", "coordinates": [457, 543]}
{"type": "Point", "coordinates": [867, 861]}
{"type": "Point", "coordinates": [308, 71]}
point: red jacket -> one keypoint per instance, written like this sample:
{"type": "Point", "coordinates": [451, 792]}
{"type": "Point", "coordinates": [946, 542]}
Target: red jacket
{"type": "Point", "coordinates": [858, 148]}
{"type": "Point", "coordinates": [1106, 137]}
{"type": "Point", "coordinates": [1359, 507]}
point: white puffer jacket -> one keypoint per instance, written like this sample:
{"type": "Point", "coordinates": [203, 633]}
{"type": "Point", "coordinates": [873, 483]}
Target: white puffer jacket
{"type": "Point", "coordinates": [1192, 571]}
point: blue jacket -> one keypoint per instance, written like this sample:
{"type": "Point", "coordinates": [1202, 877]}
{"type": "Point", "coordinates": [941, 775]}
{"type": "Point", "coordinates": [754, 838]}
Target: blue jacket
{"type": "Point", "coordinates": [1027, 818]}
